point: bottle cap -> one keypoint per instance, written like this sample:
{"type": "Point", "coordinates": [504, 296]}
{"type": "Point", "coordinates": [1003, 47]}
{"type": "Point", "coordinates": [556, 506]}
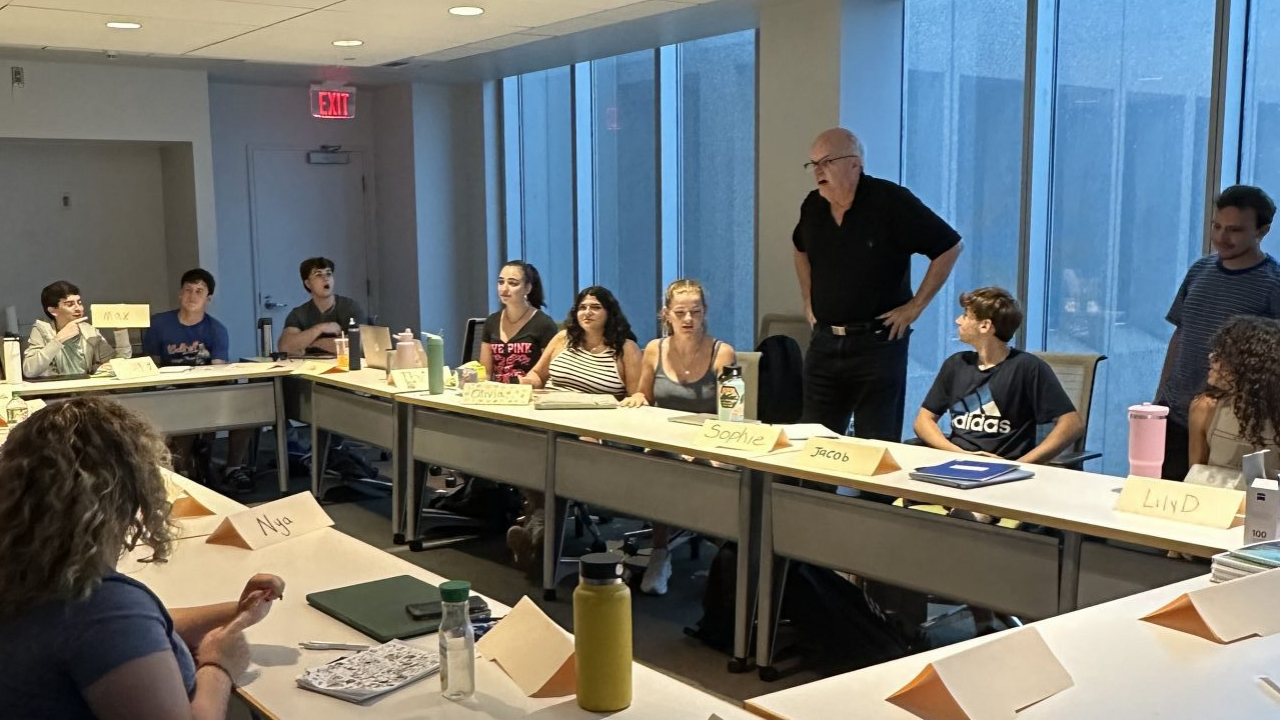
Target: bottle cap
{"type": "Point", "coordinates": [731, 371]}
{"type": "Point", "coordinates": [1147, 410]}
{"type": "Point", "coordinates": [455, 591]}
{"type": "Point", "coordinates": [600, 566]}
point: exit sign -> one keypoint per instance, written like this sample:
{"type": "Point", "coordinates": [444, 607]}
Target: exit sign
{"type": "Point", "coordinates": [333, 102]}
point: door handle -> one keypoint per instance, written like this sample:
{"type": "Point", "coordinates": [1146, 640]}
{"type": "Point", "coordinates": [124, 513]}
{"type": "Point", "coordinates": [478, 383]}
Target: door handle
{"type": "Point", "coordinates": [271, 305]}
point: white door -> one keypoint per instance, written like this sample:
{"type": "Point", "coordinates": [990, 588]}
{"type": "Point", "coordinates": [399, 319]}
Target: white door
{"type": "Point", "coordinates": [301, 211]}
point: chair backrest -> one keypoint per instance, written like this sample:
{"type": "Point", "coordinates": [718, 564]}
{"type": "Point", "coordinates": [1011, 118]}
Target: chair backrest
{"type": "Point", "coordinates": [1076, 373]}
{"type": "Point", "coordinates": [471, 339]}
{"type": "Point", "coordinates": [750, 364]}
{"type": "Point", "coordinates": [796, 327]}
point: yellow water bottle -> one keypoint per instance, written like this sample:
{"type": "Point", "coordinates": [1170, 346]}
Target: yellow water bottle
{"type": "Point", "coordinates": [602, 634]}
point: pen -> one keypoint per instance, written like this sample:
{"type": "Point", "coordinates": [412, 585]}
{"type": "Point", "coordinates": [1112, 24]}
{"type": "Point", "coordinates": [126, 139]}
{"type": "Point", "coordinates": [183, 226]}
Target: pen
{"type": "Point", "coordinates": [318, 645]}
{"type": "Point", "coordinates": [1266, 680]}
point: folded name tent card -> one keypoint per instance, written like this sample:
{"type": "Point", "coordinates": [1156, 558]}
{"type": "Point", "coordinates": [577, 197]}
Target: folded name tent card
{"type": "Point", "coordinates": [847, 456]}
{"type": "Point", "coordinates": [272, 523]}
{"type": "Point", "coordinates": [318, 367]}
{"type": "Point", "coordinates": [410, 379]}
{"type": "Point", "coordinates": [992, 681]}
{"type": "Point", "coordinates": [742, 436]}
{"type": "Point", "coordinates": [495, 393]}
{"type": "Point", "coordinates": [1227, 611]}
{"type": "Point", "coordinates": [533, 651]}
{"type": "Point", "coordinates": [1181, 502]}
{"type": "Point", "coordinates": [134, 368]}
{"type": "Point", "coordinates": [120, 316]}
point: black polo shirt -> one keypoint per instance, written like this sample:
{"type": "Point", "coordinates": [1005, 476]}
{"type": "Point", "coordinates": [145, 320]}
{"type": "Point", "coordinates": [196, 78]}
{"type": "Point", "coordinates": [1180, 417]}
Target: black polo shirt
{"type": "Point", "coordinates": [861, 268]}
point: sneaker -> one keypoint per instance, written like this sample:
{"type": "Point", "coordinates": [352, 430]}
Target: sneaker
{"type": "Point", "coordinates": [657, 574]}
{"type": "Point", "coordinates": [237, 481]}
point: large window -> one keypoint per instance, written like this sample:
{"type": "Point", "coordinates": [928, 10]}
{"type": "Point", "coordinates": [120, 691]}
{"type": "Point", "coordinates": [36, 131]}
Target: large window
{"type": "Point", "coordinates": [1127, 191]}
{"type": "Point", "coordinates": [1260, 136]}
{"type": "Point", "coordinates": [962, 154]}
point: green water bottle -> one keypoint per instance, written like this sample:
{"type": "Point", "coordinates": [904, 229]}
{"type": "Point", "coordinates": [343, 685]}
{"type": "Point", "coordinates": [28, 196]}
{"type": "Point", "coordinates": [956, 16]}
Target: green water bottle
{"type": "Point", "coordinates": [435, 363]}
{"type": "Point", "coordinates": [602, 634]}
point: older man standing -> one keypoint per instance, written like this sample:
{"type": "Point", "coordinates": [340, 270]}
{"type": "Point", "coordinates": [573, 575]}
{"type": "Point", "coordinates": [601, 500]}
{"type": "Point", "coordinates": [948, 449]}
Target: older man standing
{"type": "Point", "coordinates": [853, 248]}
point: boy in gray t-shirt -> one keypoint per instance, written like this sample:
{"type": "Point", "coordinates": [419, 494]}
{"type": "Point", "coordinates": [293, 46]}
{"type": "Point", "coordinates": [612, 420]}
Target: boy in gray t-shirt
{"type": "Point", "coordinates": [313, 325]}
{"type": "Point", "coordinates": [1238, 279]}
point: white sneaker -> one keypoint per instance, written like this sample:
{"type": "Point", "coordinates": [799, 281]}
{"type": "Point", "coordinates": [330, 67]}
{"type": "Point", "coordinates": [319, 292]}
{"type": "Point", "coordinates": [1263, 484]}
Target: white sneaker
{"type": "Point", "coordinates": [657, 574]}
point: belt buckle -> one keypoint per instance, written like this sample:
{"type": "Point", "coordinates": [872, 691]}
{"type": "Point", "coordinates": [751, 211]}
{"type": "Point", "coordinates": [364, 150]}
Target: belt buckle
{"type": "Point", "coordinates": [839, 330]}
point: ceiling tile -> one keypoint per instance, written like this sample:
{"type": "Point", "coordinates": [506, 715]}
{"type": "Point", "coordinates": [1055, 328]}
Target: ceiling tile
{"type": "Point", "coordinates": [61, 28]}
{"type": "Point", "coordinates": [519, 13]}
{"type": "Point", "coordinates": [217, 11]}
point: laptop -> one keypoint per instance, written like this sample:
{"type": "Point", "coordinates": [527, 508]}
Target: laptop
{"type": "Point", "coordinates": [375, 342]}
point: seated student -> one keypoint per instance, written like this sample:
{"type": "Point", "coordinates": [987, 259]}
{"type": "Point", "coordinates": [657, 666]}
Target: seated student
{"type": "Point", "coordinates": [1239, 411]}
{"type": "Point", "coordinates": [996, 394]}
{"type": "Point", "coordinates": [313, 325]}
{"type": "Point", "coordinates": [82, 640]}
{"type": "Point", "coordinates": [514, 337]}
{"type": "Point", "coordinates": [595, 353]}
{"type": "Point", "coordinates": [679, 371]}
{"type": "Point", "coordinates": [66, 344]}
{"type": "Point", "coordinates": [191, 336]}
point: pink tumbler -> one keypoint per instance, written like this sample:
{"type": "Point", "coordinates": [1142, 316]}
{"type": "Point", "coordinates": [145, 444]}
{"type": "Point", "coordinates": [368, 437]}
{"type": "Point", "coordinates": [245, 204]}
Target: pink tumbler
{"type": "Point", "coordinates": [1146, 439]}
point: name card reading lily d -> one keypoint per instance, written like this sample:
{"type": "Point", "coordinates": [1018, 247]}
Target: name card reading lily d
{"type": "Point", "coordinates": [1182, 502]}
{"type": "Point", "coordinates": [120, 316]}
{"type": "Point", "coordinates": [845, 456]}
{"type": "Point", "coordinates": [492, 393]}
{"type": "Point", "coordinates": [134, 368]}
{"type": "Point", "coordinates": [746, 437]}
{"type": "Point", "coordinates": [272, 523]}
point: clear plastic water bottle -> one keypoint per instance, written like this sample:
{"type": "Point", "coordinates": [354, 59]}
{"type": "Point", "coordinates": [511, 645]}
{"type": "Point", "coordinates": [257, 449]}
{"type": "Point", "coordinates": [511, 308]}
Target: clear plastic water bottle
{"type": "Point", "coordinates": [16, 410]}
{"type": "Point", "coordinates": [457, 642]}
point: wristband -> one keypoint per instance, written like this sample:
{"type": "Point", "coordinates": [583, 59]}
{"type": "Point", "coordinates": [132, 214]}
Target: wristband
{"type": "Point", "coordinates": [210, 663]}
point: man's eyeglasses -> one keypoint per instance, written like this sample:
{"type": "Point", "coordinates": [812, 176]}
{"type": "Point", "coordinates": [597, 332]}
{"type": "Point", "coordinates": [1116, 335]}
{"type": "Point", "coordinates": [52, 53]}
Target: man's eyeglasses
{"type": "Point", "coordinates": [825, 163]}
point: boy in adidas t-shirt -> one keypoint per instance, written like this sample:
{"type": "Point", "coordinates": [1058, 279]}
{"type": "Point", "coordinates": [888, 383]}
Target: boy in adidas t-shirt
{"type": "Point", "coordinates": [996, 394]}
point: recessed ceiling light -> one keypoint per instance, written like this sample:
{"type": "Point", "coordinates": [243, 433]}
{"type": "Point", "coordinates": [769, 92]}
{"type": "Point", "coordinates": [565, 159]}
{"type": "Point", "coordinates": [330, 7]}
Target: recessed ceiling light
{"type": "Point", "coordinates": [348, 43]}
{"type": "Point", "coordinates": [466, 10]}
{"type": "Point", "coordinates": [124, 25]}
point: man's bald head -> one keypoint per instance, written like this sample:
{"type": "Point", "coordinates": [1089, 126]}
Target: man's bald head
{"type": "Point", "coordinates": [836, 159]}
{"type": "Point", "coordinates": [837, 141]}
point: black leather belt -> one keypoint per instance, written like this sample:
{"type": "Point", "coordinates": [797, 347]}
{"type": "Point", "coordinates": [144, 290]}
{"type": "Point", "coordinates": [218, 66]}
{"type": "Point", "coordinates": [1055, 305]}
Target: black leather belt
{"type": "Point", "coordinates": [857, 328]}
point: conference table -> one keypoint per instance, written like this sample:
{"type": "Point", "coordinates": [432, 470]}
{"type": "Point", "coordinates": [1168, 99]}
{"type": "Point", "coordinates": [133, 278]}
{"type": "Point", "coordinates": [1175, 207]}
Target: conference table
{"type": "Point", "coordinates": [1121, 667]}
{"type": "Point", "coordinates": [187, 400]}
{"type": "Point", "coordinates": [199, 573]}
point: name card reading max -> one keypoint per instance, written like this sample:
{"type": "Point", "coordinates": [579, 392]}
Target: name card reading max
{"type": "Point", "coordinates": [120, 316]}
{"type": "Point", "coordinates": [747, 437]}
{"type": "Point", "coordinates": [272, 523]}
{"type": "Point", "coordinates": [1183, 502]}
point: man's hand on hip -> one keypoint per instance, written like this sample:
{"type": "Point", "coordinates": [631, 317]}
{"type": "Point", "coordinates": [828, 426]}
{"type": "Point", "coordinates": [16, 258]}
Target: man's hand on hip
{"type": "Point", "coordinates": [901, 317]}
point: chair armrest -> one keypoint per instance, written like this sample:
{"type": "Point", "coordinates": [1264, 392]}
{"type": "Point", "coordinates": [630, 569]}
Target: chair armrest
{"type": "Point", "coordinates": [914, 441]}
{"type": "Point", "coordinates": [1074, 460]}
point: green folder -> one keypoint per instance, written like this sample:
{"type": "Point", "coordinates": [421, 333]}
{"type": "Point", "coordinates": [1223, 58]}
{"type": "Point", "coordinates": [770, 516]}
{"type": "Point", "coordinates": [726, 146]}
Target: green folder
{"type": "Point", "coordinates": [377, 608]}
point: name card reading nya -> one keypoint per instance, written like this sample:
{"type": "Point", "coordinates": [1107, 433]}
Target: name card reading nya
{"type": "Point", "coordinates": [120, 316]}
{"type": "Point", "coordinates": [747, 437]}
{"type": "Point", "coordinates": [272, 523]}
{"type": "Point", "coordinates": [1181, 502]}
{"type": "Point", "coordinates": [492, 393]}
{"type": "Point", "coordinates": [845, 456]}
{"type": "Point", "coordinates": [133, 368]}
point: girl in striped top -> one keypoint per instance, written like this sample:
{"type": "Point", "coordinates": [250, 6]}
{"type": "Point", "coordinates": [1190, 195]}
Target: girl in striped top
{"type": "Point", "coordinates": [595, 353]}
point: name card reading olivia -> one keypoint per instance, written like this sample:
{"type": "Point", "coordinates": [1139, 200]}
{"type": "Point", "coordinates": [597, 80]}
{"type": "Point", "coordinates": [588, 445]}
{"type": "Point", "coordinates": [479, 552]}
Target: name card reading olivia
{"type": "Point", "coordinates": [1183, 502]}
{"type": "Point", "coordinates": [846, 456]}
{"type": "Point", "coordinates": [272, 523]}
{"type": "Point", "coordinates": [134, 368]}
{"type": "Point", "coordinates": [410, 378]}
{"type": "Point", "coordinates": [492, 393]}
{"type": "Point", "coordinates": [120, 316]}
{"type": "Point", "coordinates": [747, 437]}
{"type": "Point", "coordinates": [318, 367]}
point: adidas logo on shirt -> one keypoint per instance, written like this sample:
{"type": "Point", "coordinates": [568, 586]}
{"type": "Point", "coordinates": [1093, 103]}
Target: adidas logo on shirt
{"type": "Point", "coordinates": [986, 419]}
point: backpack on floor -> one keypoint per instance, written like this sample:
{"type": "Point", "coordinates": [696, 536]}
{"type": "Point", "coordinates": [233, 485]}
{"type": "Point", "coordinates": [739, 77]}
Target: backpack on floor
{"type": "Point", "coordinates": [715, 629]}
{"type": "Point", "coordinates": [779, 395]}
{"type": "Point", "coordinates": [835, 618]}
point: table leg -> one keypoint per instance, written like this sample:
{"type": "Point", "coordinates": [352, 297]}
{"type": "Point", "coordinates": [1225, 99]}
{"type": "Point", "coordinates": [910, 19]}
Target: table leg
{"type": "Point", "coordinates": [742, 620]}
{"type": "Point", "coordinates": [404, 515]}
{"type": "Point", "coordinates": [551, 521]}
{"type": "Point", "coordinates": [1069, 572]}
{"type": "Point", "coordinates": [765, 592]}
{"type": "Point", "coordinates": [282, 438]}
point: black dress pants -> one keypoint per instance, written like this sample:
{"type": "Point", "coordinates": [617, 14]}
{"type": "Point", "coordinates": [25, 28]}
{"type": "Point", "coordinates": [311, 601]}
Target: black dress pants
{"type": "Point", "coordinates": [860, 376]}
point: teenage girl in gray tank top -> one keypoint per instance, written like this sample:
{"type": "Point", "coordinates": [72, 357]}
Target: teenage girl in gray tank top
{"type": "Point", "coordinates": [679, 372]}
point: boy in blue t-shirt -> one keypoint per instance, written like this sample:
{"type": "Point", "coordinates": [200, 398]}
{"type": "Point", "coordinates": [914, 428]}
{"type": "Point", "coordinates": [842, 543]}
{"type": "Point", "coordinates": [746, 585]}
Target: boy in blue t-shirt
{"type": "Point", "coordinates": [191, 336]}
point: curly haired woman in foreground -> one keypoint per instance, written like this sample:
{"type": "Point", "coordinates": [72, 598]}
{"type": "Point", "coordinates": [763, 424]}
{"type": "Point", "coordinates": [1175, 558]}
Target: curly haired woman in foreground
{"type": "Point", "coordinates": [80, 483]}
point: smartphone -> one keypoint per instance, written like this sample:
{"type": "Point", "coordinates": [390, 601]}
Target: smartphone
{"type": "Point", "coordinates": [477, 607]}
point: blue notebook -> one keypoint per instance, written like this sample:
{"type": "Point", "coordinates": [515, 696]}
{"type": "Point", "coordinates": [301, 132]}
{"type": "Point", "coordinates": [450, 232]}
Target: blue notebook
{"type": "Point", "coordinates": [969, 473]}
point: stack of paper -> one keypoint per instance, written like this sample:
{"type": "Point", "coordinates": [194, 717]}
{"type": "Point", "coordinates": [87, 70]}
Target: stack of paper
{"type": "Point", "coordinates": [371, 673]}
{"type": "Point", "coordinates": [563, 400]}
{"type": "Point", "coordinates": [970, 473]}
{"type": "Point", "coordinates": [1248, 560]}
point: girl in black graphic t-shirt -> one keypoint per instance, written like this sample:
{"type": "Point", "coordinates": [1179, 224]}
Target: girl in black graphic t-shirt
{"type": "Point", "coordinates": [514, 337]}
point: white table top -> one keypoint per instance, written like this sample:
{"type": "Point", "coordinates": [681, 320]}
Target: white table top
{"type": "Point", "coordinates": [367, 380]}
{"type": "Point", "coordinates": [202, 374]}
{"type": "Point", "coordinates": [1056, 497]}
{"type": "Point", "coordinates": [1122, 668]}
{"type": "Point", "coordinates": [199, 573]}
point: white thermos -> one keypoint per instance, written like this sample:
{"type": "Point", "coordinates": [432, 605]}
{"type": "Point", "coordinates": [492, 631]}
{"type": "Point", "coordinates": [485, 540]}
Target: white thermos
{"type": "Point", "coordinates": [12, 359]}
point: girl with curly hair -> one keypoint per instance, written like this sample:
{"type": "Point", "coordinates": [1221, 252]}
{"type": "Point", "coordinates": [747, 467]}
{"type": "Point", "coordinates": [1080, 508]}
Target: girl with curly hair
{"type": "Point", "coordinates": [80, 483]}
{"type": "Point", "coordinates": [1239, 410]}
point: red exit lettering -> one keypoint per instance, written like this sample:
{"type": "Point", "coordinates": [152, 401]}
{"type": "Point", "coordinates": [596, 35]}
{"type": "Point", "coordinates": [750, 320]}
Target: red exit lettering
{"type": "Point", "coordinates": [334, 104]}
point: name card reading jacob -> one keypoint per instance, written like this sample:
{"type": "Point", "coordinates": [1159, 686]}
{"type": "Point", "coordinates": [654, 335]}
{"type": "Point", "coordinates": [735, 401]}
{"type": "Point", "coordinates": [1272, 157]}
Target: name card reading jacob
{"type": "Point", "coordinates": [748, 437]}
{"type": "Point", "coordinates": [845, 456]}
{"type": "Point", "coordinates": [133, 368]}
{"type": "Point", "coordinates": [272, 523]}
{"type": "Point", "coordinates": [1195, 504]}
{"type": "Point", "coordinates": [492, 393]}
{"type": "Point", "coordinates": [120, 316]}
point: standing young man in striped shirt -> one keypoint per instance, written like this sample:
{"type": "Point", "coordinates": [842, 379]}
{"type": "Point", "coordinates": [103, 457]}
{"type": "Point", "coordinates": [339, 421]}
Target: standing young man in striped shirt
{"type": "Point", "coordinates": [1238, 279]}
